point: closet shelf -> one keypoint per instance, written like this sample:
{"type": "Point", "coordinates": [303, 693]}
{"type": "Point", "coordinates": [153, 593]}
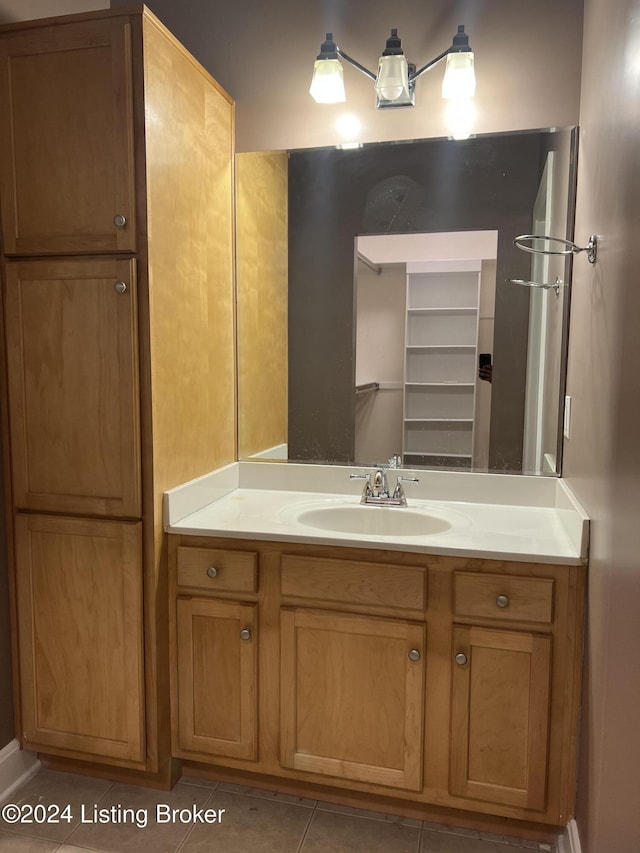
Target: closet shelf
{"type": "Point", "coordinates": [438, 420]}
{"type": "Point", "coordinates": [441, 344]}
{"type": "Point", "coordinates": [418, 311]}
{"type": "Point", "coordinates": [443, 347]}
{"type": "Point", "coordinates": [411, 384]}
{"type": "Point", "coordinates": [440, 455]}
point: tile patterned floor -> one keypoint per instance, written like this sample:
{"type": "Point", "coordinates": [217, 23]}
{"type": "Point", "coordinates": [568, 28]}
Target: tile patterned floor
{"type": "Point", "coordinates": [248, 820]}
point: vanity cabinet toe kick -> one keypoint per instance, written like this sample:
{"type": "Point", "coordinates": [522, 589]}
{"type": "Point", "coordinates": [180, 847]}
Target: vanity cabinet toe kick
{"type": "Point", "coordinates": [399, 680]}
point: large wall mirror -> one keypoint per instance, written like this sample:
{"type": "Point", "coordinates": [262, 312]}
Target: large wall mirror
{"type": "Point", "coordinates": [374, 282]}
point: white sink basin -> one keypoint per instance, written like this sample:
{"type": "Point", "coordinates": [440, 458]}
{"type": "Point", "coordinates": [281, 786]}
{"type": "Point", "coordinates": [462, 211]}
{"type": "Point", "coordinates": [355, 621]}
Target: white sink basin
{"type": "Point", "coordinates": [373, 520]}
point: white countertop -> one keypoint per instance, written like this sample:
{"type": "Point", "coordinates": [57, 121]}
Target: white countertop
{"type": "Point", "coordinates": [501, 517]}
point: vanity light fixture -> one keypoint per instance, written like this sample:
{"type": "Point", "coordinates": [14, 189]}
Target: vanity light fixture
{"type": "Point", "coordinates": [395, 81]}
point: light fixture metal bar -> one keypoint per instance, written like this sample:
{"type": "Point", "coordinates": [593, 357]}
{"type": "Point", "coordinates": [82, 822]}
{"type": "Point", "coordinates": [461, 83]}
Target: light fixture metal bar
{"type": "Point", "coordinates": [429, 65]}
{"type": "Point", "coordinates": [355, 63]}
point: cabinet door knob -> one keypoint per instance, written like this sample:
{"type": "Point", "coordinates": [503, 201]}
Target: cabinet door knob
{"type": "Point", "coordinates": [212, 572]}
{"type": "Point", "coordinates": [502, 601]}
{"type": "Point", "coordinates": [120, 287]}
{"type": "Point", "coordinates": [461, 659]}
{"type": "Point", "coordinates": [119, 220]}
{"type": "Point", "coordinates": [414, 655]}
{"type": "Point", "coordinates": [245, 634]}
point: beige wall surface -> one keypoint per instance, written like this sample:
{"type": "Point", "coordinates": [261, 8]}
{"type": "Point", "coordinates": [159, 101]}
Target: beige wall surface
{"type": "Point", "coordinates": [27, 10]}
{"type": "Point", "coordinates": [380, 329]}
{"type": "Point", "coordinates": [602, 458]}
{"type": "Point", "coordinates": [527, 62]}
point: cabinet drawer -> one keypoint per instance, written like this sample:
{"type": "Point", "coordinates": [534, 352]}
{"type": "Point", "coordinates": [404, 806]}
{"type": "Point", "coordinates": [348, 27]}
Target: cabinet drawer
{"type": "Point", "coordinates": [354, 582]}
{"type": "Point", "coordinates": [503, 597]}
{"type": "Point", "coordinates": [217, 571]}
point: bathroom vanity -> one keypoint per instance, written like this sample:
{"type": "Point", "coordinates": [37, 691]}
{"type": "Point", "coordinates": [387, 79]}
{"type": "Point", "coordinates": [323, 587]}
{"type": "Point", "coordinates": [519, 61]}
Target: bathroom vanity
{"type": "Point", "coordinates": [442, 675]}
{"type": "Point", "coordinates": [420, 659]}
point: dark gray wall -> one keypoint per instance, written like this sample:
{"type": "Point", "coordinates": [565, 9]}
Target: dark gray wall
{"type": "Point", "coordinates": [435, 185]}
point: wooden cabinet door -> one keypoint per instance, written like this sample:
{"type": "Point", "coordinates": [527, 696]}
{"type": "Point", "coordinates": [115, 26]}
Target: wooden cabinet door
{"type": "Point", "coordinates": [499, 722]}
{"type": "Point", "coordinates": [217, 675]}
{"type": "Point", "coordinates": [79, 588]}
{"type": "Point", "coordinates": [66, 139]}
{"type": "Point", "coordinates": [73, 387]}
{"type": "Point", "coordinates": [351, 698]}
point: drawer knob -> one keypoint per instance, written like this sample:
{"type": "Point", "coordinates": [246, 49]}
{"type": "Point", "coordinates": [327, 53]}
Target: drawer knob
{"type": "Point", "coordinates": [212, 572]}
{"type": "Point", "coordinates": [502, 601]}
{"type": "Point", "coordinates": [119, 220]}
{"type": "Point", "coordinates": [245, 634]}
{"type": "Point", "coordinates": [414, 655]}
{"type": "Point", "coordinates": [120, 287]}
{"type": "Point", "coordinates": [461, 659]}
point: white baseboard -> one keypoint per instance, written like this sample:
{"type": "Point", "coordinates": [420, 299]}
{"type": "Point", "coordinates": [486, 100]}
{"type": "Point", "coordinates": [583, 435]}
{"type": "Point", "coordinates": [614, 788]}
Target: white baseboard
{"type": "Point", "coordinates": [17, 766]}
{"type": "Point", "coordinates": [569, 841]}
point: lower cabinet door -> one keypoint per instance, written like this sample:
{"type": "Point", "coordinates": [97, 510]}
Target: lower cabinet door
{"type": "Point", "coordinates": [217, 675]}
{"type": "Point", "coordinates": [80, 628]}
{"type": "Point", "coordinates": [500, 716]}
{"type": "Point", "coordinates": [352, 697]}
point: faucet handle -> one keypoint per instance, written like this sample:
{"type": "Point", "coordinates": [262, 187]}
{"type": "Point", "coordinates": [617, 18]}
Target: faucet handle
{"type": "Point", "coordinates": [366, 477]}
{"type": "Point", "coordinates": [367, 486]}
{"type": "Point", "coordinates": [398, 492]}
{"type": "Point", "coordinates": [395, 461]}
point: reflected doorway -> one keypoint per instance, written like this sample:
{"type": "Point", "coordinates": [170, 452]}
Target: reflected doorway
{"type": "Point", "coordinates": [424, 312]}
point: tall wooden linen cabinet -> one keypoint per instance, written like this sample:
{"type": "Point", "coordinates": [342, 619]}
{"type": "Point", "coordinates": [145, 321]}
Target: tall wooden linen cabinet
{"type": "Point", "coordinates": [116, 189]}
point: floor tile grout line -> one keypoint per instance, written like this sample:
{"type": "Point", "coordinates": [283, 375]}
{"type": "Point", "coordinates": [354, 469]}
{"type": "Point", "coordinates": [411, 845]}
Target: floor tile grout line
{"type": "Point", "coordinates": [306, 829]}
{"type": "Point", "coordinates": [205, 805]}
{"type": "Point", "coordinates": [96, 804]}
{"type": "Point", "coordinates": [7, 831]}
{"type": "Point", "coordinates": [199, 787]}
{"type": "Point", "coordinates": [317, 805]}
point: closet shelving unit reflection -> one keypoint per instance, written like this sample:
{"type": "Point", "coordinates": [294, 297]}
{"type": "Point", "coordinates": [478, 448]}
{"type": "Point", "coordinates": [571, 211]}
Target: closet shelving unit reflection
{"type": "Point", "coordinates": [440, 368]}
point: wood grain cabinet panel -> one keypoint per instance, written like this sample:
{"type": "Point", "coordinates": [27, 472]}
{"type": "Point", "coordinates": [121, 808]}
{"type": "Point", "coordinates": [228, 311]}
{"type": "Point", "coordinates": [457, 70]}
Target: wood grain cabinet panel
{"type": "Point", "coordinates": [217, 673]}
{"type": "Point", "coordinates": [354, 582]}
{"type": "Point", "coordinates": [504, 597]}
{"type": "Point", "coordinates": [215, 570]}
{"type": "Point", "coordinates": [73, 386]}
{"type": "Point", "coordinates": [116, 210]}
{"type": "Point", "coordinates": [66, 102]}
{"type": "Point", "coordinates": [79, 587]}
{"type": "Point", "coordinates": [499, 717]}
{"type": "Point", "coordinates": [352, 698]}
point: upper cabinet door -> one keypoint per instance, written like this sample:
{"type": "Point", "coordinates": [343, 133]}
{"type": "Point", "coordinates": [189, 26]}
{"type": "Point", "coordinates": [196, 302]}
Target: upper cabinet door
{"type": "Point", "coordinates": [73, 386]}
{"type": "Point", "coordinates": [66, 139]}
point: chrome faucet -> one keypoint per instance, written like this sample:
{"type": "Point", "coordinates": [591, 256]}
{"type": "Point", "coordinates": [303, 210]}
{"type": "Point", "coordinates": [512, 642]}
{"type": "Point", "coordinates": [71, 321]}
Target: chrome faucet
{"type": "Point", "coordinates": [379, 484]}
{"type": "Point", "coordinates": [376, 488]}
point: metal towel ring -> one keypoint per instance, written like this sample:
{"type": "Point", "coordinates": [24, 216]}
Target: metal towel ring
{"type": "Point", "coordinates": [571, 248]}
{"type": "Point", "coordinates": [555, 286]}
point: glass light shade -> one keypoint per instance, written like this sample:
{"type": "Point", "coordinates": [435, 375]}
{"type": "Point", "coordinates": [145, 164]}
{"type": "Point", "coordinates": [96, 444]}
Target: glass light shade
{"type": "Point", "coordinates": [327, 84]}
{"type": "Point", "coordinates": [392, 81]}
{"type": "Point", "coordinates": [460, 116]}
{"type": "Point", "coordinates": [459, 77]}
